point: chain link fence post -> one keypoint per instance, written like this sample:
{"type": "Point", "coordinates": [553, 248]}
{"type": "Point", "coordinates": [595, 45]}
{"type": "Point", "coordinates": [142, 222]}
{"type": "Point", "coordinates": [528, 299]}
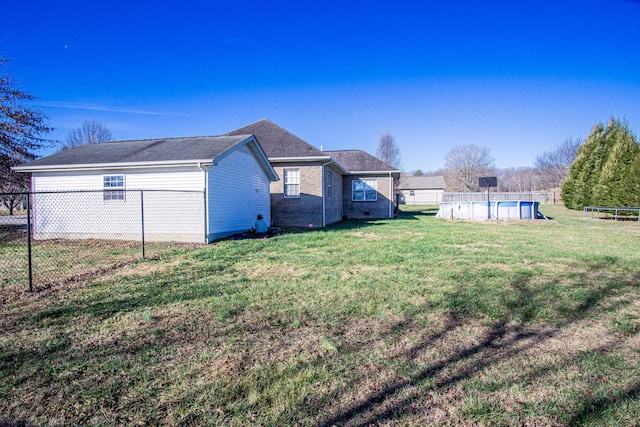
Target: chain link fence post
{"type": "Point", "coordinates": [142, 219]}
{"type": "Point", "coordinates": [29, 253]}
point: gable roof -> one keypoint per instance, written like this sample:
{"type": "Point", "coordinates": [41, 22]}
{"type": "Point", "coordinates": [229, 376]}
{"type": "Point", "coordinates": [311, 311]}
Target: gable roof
{"type": "Point", "coordinates": [279, 143]}
{"type": "Point", "coordinates": [360, 161]}
{"type": "Point", "coordinates": [421, 182]}
{"type": "Point", "coordinates": [164, 151]}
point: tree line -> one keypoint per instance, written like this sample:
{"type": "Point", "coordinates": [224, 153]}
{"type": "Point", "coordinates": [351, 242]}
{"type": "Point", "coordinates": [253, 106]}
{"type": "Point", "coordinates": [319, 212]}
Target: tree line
{"type": "Point", "coordinates": [464, 164]}
{"type": "Point", "coordinates": [604, 170]}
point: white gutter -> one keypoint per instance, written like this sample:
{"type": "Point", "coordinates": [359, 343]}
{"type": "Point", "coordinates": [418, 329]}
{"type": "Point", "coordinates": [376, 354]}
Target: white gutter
{"type": "Point", "coordinates": [206, 198]}
{"type": "Point", "coordinates": [98, 166]}
{"type": "Point", "coordinates": [324, 210]}
{"type": "Point", "coordinates": [299, 159]}
{"type": "Point", "coordinates": [391, 196]}
{"type": "Point", "coordinates": [374, 172]}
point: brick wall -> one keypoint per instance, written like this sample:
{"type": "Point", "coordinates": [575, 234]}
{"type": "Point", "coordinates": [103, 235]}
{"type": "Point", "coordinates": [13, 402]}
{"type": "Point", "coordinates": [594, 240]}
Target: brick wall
{"type": "Point", "coordinates": [299, 211]}
{"type": "Point", "coordinates": [333, 195]}
{"type": "Point", "coordinates": [367, 209]}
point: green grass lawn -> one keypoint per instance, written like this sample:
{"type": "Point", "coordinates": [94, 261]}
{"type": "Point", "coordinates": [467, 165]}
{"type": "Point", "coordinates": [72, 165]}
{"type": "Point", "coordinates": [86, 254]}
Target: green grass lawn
{"type": "Point", "coordinates": [411, 321]}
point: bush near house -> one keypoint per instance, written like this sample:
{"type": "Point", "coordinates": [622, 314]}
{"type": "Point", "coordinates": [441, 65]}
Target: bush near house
{"type": "Point", "coordinates": [414, 321]}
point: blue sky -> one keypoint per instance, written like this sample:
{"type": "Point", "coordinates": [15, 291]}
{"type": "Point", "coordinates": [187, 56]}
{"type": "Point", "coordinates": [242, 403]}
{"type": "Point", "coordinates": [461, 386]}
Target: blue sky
{"type": "Point", "coordinates": [516, 76]}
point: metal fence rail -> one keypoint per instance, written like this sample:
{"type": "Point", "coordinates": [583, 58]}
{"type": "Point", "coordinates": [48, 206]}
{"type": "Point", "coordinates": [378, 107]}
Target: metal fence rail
{"type": "Point", "coordinates": [540, 197]}
{"type": "Point", "coordinates": [612, 212]}
{"type": "Point", "coordinates": [61, 236]}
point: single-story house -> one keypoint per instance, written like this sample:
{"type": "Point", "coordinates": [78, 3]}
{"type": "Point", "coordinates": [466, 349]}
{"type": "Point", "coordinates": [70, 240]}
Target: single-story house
{"type": "Point", "coordinates": [206, 188]}
{"type": "Point", "coordinates": [419, 190]}
{"type": "Point", "coordinates": [322, 187]}
{"type": "Point", "coordinates": [368, 187]}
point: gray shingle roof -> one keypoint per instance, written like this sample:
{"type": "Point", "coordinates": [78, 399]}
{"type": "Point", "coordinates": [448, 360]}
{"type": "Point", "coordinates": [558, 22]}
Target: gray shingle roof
{"type": "Point", "coordinates": [278, 142]}
{"type": "Point", "coordinates": [421, 182]}
{"type": "Point", "coordinates": [143, 151]}
{"type": "Point", "coordinates": [360, 161]}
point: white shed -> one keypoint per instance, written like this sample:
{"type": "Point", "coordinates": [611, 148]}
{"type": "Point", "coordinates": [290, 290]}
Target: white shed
{"type": "Point", "coordinates": [195, 189]}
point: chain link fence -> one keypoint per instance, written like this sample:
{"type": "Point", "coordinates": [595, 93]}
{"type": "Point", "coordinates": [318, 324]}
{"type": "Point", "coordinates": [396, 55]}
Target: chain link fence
{"type": "Point", "coordinates": [57, 237]}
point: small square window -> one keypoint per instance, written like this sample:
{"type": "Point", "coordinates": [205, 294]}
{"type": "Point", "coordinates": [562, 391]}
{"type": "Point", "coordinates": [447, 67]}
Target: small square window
{"type": "Point", "coordinates": [110, 183]}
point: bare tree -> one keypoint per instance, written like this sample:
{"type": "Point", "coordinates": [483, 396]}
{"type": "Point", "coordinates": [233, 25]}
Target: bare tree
{"type": "Point", "coordinates": [464, 164]}
{"type": "Point", "coordinates": [388, 151]}
{"type": "Point", "coordinates": [90, 132]}
{"type": "Point", "coordinates": [521, 179]}
{"type": "Point", "coordinates": [553, 165]}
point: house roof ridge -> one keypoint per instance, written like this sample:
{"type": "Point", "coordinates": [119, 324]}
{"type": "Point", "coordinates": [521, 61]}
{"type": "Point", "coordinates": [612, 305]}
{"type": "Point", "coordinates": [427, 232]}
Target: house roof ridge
{"type": "Point", "coordinates": [277, 141]}
{"type": "Point", "coordinates": [170, 138]}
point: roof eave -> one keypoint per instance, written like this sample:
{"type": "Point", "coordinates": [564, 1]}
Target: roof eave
{"type": "Point", "coordinates": [299, 159]}
{"type": "Point", "coordinates": [392, 172]}
{"type": "Point", "coordinates": [98, 166]}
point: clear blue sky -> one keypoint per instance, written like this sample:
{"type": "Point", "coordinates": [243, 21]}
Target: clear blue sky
{"type": "Point", "coordinates": [516, 76]}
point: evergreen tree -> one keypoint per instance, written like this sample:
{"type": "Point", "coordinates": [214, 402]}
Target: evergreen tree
{"type": "Point", "coordinates": [605, 170]}
{"type": "Point", "coordinates": [575, 190]}
{"type": "Point", "coordinates": [619, 183]}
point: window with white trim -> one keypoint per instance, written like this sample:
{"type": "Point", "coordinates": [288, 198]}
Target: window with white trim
{"type": "Point", "coordinates": [364, 190]}
{"type": "Point", "coordinates": [113, 186]}
{"type": "Point", "coordinates": [292, 183]}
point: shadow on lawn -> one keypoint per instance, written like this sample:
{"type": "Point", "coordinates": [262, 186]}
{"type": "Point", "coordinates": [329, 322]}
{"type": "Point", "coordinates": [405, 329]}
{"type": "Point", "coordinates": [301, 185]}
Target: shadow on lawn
{"type": "Point", "coordinates": [503, 341]}
{"type": "Point", "coordinates": [510, 336]}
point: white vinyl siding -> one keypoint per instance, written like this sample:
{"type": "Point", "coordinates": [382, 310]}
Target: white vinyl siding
{"type": "Point", "coordinates": [292, 183]}
{"type": "Point", "coordinates": [61, 211]}
{"type": "Point", "coordinates": [421, 196]}
{"type": "Point", "coordinates": [364, 190]}
{"type": "Point", "coordinates": [180, 178]}
{"type": "Point", "coordinates": [238, 193]}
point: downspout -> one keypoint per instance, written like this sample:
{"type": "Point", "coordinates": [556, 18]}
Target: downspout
{"type": "Point", "coordinates": [391, 195]}
{"type": "Point", "coordinates": [324, 208]}
{"type": "Point", "coordinates": [206, 200]}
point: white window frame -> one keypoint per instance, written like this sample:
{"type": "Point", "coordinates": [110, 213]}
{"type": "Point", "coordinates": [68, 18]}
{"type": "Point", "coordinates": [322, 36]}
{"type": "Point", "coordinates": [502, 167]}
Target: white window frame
{"type": "Point", "coordinates": [292, 183]}
{"type": "Point", "coordinates": [112, 188]}
{"type": "Point", "coordinates": [368, 188]}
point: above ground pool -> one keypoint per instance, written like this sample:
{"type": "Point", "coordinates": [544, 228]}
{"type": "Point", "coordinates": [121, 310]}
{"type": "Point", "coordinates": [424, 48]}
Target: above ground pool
{"type": "Point", "coordinates": [502, 210]}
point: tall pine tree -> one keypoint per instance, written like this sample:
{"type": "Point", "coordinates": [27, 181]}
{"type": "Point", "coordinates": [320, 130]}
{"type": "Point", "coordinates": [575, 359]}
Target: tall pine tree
{"type": "Point", "coordinates": [605, 172]}
{"type": "Point", "coordinates": [619, 184]}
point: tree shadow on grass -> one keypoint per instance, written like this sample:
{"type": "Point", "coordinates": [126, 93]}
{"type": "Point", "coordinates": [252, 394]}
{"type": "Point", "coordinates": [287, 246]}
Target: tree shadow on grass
{"type": "Point", "coordinates": [414, 214]}
{"type": "Point", "coordinates": [470, 343]}
{"type": "Point", "coordinates": [503, 341]}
